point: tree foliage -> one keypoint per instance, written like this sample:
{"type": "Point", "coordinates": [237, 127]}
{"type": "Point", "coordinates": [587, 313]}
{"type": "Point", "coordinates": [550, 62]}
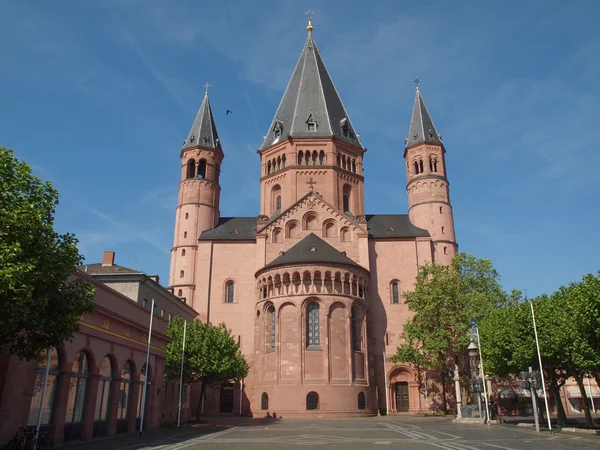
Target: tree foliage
{"type": "Point", "coordinates": [211, 354]}
{"type": "Point", "coordinates": [40, 302]}
{"type": "Point", "coordinates": [447, 301]}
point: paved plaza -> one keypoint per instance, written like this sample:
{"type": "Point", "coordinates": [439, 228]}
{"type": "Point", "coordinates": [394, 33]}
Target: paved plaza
{"type": "Point", "coordinates": [374, 432]}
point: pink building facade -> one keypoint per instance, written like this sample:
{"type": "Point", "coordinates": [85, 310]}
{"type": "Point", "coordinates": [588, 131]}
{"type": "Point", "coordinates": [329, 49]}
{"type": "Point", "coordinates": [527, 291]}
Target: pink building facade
{"type": "Point", "coordinates": [312, 285]}
{"type": "Point", "coordinates": [95, 381]}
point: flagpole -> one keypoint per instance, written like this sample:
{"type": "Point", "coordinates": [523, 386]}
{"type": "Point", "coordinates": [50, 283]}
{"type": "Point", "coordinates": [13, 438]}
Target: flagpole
{"type": "Point", "coordinates": [147, 371]}
{"type": "Point", "coordinates": [537, 344]}
{"type": "Point", "coordinates": [387, 402]}
{"type": "Point", "coordinates": [181, 375]}
{"type": "Point", "coordinates": [39, 417]}
{"type": "Point", "coordinates": [487, 405]}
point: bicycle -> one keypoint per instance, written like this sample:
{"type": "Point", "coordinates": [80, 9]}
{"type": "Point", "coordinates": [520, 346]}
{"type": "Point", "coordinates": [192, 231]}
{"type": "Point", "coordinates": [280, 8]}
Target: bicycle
{"type": "Point", "coordinates": [25, 440]}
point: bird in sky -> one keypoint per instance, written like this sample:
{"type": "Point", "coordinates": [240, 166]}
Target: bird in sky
{"type": "Point", "coordinates": [229, 111]}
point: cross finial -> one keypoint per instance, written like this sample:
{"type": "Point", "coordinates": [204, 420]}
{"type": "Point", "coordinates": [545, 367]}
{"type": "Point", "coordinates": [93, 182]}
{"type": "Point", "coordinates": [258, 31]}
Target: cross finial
{"type": "Point", "coordinates": [311, 183]}
{"type": "Point", "coordinates": [206, 86]}
{"type": "Point", "coordinates": [417, 81]}
{"type": "Point", "coordinates": [310, 15]}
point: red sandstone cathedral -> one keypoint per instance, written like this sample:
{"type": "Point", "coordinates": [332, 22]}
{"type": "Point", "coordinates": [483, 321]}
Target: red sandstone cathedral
{"type": "Point", "coordinates": [312, 285]}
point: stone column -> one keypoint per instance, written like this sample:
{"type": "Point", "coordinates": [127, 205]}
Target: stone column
{"type": "Point", "coordinates": [458, 395]}
{"type": "Point", "coordinates": [90, 406]}
{"type": "Point", "coordinates": [59, 411]}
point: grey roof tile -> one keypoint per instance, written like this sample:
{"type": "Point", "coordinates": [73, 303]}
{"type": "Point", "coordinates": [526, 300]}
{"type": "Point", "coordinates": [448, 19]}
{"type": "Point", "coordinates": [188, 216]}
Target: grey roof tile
{"type": "Point", "coordinates": [393, 226]}
{"type": "Point", "coordinates": [312, 249]}
{"type": "Point", "coordinates": [311, 97]}
{"type": "Point", "coordinates": [204, 131]}
{"type": "Point", "coordinates": [99, 269]}
{"type": "Point", "coordinates": [421, 128]}
{"type": "Point", "coordinates": [232, 229]}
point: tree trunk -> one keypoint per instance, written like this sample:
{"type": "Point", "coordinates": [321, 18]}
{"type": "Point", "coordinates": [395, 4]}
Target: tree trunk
{"type": "Point", "coordinates": [199, 410]}
{"type": "Point", "coordinates": [586, 404]}
{"type": "Point", "coordinates": [445, 407]}
{"type": "Point", "coordinates": [561, 416]}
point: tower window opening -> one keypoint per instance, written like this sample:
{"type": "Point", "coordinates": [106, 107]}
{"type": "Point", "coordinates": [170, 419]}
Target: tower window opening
{"type": "Point", "coordinates": [202, 169]}
{"type": "Point", "coordinates": [314, 158]}
{"type": "Point", "coordinates": [283, 161]}
{"type": "Point", "coordinates": [435, 169]}
{"type": "Point", "coordinates": [443, 231]}
{"type": "Point", "coordinates": [445, 250]}
{"type": "Point", "coordinates": [187, 215]}
{"type": "Point", "coordinates": [300, 157]}
{"type": "Point", "coordinates": [346, 198]}
{"type": "Point", "coordinates": [395, 293]}
{"type": "Point", "coordinates": [343, 161]}
{"type": "Point", "coordinates": [229, 292]}
{"type": "Point", "coordinates": [321, 157]}
{"type": "Point", "coordinates": [416, 166]}
{"type": "Point", "coordinates": [181, 273]}
{"type": "Point", "coordinates": [421, 166]}
{"type": "Point", "coordinates": [440, 210]}
{"type": "Point", "coordinates": [307, 158]}
{"type": "Point", "coordinates": [184, 234]}
{"type": "Point", "coordinates": [278, 163]}
{"type": "Point", "coordinates": [191, 168]}
{"type": "Point", "coordinates": [278, 203]}
{"type": "Point", "coordinates": [179, 293]}
{"type": "Point", "coordinates": [354, 165]}
{"type": "Point", "coordinates": [339, 164]}
{"type": "Point", "coordinates": [269, 168]}
{"type": "Point", "coordinates": [183, 252]}
{"type": "Point", "coordinates": [274, 165]}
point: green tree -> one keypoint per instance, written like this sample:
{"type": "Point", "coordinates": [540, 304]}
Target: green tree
{"type": "Point", "coordinates": [211, 354]}
{"type": "Point", "coordinates": [447, 301]}
{"type": "Point", "coordinates": [41, 303]}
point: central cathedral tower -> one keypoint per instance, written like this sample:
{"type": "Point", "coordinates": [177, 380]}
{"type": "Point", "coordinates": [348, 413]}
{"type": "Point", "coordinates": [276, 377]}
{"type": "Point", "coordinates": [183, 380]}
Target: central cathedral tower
{"type": "Point", "coordinates": [311, 143]}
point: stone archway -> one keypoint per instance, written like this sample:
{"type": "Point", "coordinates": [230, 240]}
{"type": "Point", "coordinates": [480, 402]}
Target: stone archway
{"type": "Point", "coordinates": [403, 390]}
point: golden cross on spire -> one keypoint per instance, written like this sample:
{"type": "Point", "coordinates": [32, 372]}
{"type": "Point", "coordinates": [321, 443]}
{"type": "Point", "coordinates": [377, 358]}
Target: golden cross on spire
{"type": "Point", "coordinates": [311, 182]}
{"type": "Point", "coordinates": [417, 81]}
{"type": "Point", "coordinates": [206, 86]}
{"type": "Point", "coordinates": [310, 15]}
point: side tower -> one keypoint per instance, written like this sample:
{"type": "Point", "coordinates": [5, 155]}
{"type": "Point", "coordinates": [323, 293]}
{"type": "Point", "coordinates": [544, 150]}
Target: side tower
{"type": "Point", "coordinates": [198, 199]}
{"type": "Point", "coordinates": [428, 188]}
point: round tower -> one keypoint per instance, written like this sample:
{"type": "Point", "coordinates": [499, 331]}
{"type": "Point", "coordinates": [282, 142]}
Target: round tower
{"type": "Point", "coordinates": [198, 199]}
{"type": "Point", "coordinates": [428, 188]}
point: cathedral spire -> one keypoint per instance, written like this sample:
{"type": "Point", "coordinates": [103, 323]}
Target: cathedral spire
{"type": "Point", "coordinates": [422, 130]}
{"type": "Point", "coordinates": [204, 131]}
{"type": "Point", "coordinates": [311, 105]}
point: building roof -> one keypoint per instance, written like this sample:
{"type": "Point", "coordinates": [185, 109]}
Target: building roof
{"type": "Point", "coordinates": [393, 226]}
{"type": "Point", "coordinates": [310, 97]}
{"type": "Point", "coordinates": [100, 269]}
{"type": "Point", "coordinates": [421, 129]}
{"type": "Point", "coordinates": [204, 131]}
{"type": "Point", "coordinates": [312, 249]}
{"type": "Point", "coordinates": [232, 229]}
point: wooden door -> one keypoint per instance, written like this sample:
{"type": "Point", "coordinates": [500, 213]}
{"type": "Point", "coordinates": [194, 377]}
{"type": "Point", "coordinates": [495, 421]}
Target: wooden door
{"type": "Point", "coordinates": [402, 404]}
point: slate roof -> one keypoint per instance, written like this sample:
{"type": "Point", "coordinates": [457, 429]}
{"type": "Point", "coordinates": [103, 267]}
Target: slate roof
{"type": "Point", "coordinates": [421, 128]}
{"type": "Point", "coordinates": [204, 131]}
{"type": "Point", "coordinates": [232, 229]}
{"type": "Point", "coordinates": [99, 269]}
{"type": "Point", "coordinates": [310, 96]}
{"type": "Point", "coordinates": [312, 249]}
{"type": "Point", "coordinates": [393, 226]}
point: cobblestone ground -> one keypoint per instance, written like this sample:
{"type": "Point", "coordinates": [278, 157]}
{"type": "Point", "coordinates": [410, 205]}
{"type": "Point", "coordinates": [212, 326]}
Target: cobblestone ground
{"type": "Point", "coordinates": [374, 432]}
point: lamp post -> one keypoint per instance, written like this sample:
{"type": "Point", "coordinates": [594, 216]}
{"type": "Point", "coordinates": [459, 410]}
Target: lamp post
{"type": "Point", "coordinates": [531, 380]}
{"type": "Point", "coordinates": [475, 383]}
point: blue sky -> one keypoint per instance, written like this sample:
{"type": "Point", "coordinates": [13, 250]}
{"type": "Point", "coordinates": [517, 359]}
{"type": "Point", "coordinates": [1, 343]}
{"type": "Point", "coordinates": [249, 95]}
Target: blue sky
{"type": "Point", "coordinates": [98, 97]}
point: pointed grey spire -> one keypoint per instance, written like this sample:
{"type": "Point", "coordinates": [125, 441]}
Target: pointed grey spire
{"type": "Point", "coordinates": [311, 106]}
{"type": "Point", "coordinates": [204, 130]}
{"type": "Point", "coordinates": [421, 128]}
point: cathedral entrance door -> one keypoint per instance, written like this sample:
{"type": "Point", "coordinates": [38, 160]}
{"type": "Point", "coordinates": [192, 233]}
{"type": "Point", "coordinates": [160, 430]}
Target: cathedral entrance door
{"type": "Point", "coordinates": [226, 398]}
{"type": "Point", "coordinates": [401, 396]}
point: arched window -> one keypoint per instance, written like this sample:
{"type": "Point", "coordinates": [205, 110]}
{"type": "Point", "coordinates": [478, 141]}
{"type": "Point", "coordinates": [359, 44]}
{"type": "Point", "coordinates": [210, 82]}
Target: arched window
{"type": "Point", "coordinates": [183, 252]}
{"type": "Point", "coordinates": [264, 401]}
{"type": "Point", "coordinates": [202, 169]}
{"type": "Point", "coordinates": [431, 164]}
{"type": "Point", "coordinates": [76, 401]}
{"type": "Point", "coordinates": [312, 325]}
{"type": "Point", "coordinates": [278, 203]}
{"type": "Point", "coordinates": [338, 160]}
{"type": "Point", "coordinates": [312, 401]}
{"type": "Point", "coordinates": [395, 293]}
{"type": "Point", "coordinates": [416, 166]}
{"type": "Point", "coordinates": [271, 324]}
{"type": "Point", "coordinates": [229, 291]}
{"type": "Point", "coordinates": [181, 273]}
{"type": "Point", "coordinates": [276, 198]}
{"type": "Point", "coordinates": [445, 250]}
{"type": "Point", "coordinates": [283, 162]}
{"type": "Point", "coordinates": [435, 169]}
{"type": "Point", "coordinates": [124, 395]}
{"type": "Point", "coordinates": [345, 235]}
{"type": "Point", "coordinates": [187, 215]}
{"type": "Point", "coordinates": [103, 395]}
{"type": "Point", "coordinates": [314, 157]}
{"type": "Point", "coordinates": [38, 387]}
{"type": "Point", "coordinates": [441, 210]}
{"type": "Point", "coordinates": [300, 157]}
{"type": "Point", "coordinates": [343, 161]}
{"type": "Point", "coordinates": [321, 157]}
{"type": "Point", "coordinates": [191, 168]}
{"type": "Point", "coordinates": [353, 325]}
{"type": "Point", "coordinates": [307, 157]}
{"type": "Point", "coordinates": [421, 166]}
{"type": "Point", "coordinates": [346, 198]}
{"type": "Point", "coordinates": [184, 234]}
{"type": "Point", "coordinates": [179, 293]}
{"type": "Point", "coordinates": [269, 168]}
{"type": "Point", "coordinates": [362, 403]}
{"type": "Point", "coordinates": [443, 230]}
{"type": "Point", "coordinates": [354, 165]}
{"type": "Point", "coordinates": [279, 163]}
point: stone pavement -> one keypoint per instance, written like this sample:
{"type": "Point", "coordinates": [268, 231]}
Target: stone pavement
{"type": "Point", "coordinates": [373, 432]}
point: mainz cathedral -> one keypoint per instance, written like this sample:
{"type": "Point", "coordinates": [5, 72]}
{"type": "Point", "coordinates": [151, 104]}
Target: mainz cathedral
{"type": "Point", "coordinates": [311, 286]}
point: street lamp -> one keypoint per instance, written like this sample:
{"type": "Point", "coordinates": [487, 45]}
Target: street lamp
{"type": "Point", "coordinates": [532, 380]}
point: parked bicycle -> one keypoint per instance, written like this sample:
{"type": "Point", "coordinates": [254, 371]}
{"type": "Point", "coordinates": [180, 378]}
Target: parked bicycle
{"type": "Point", "coordinates": [25, 440]}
